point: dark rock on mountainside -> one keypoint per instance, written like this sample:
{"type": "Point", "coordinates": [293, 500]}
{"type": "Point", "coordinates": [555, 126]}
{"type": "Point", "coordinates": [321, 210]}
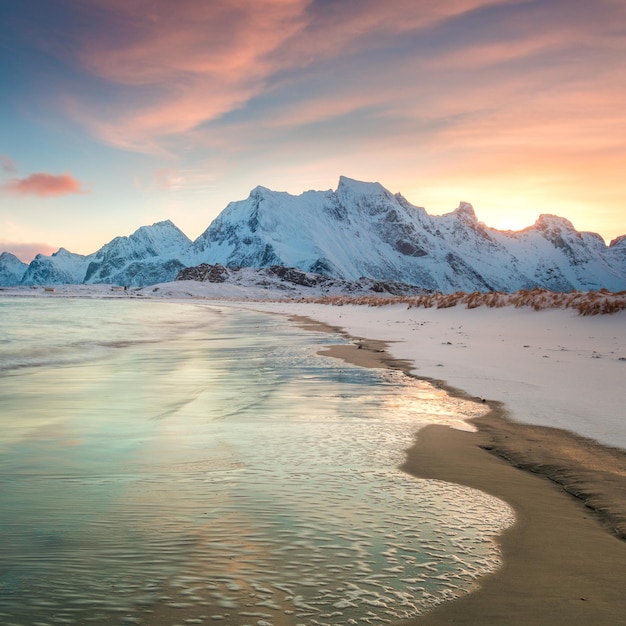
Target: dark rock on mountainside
{"type": "Point", "coordinates": [286, 278]}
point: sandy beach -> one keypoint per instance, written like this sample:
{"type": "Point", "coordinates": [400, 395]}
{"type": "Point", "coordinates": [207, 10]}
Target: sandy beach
{"type": "Point", "coordinates": [565, 558]}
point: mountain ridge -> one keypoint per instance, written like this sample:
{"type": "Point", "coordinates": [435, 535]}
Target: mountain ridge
{"type": "Point", "coordinates": [359, 230]}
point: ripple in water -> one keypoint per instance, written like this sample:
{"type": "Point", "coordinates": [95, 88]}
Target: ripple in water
{"type": "Point", "coordinates": [229, 475]}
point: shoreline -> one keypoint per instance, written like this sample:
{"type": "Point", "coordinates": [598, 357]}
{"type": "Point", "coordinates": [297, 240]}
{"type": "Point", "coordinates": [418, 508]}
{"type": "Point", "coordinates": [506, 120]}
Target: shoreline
{"type": "Point", "coordinates": [563, 559]}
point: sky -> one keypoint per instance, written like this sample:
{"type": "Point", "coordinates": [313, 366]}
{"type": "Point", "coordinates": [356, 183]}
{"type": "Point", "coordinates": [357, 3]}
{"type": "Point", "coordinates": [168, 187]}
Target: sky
{"type": "Point", "coordinates": [120, 113]}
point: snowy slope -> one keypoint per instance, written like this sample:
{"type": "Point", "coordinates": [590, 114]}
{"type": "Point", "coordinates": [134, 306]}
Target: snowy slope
{"type": "Point", "coordinates": [11, 269]}
{"type": "Point", "coordinates": [152, 254]}
{"type": "Point", "coordinates": [555, 255]}
{"type": "Point", "coordinates": [616, 254]}
{"type": "Point", "coordinates": [59, 268]}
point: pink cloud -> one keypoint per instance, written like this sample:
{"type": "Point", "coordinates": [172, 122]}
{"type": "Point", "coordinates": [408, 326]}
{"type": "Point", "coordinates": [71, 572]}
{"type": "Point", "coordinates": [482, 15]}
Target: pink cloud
{"type": "Point", "coordinates": [43, 185]}
{"type": "Point", "coordinates": [474, 95]}
{"type": "Point", "coordinates": [204, 60]}
{"type": "Point", "coordinates": [26, 252]}
{"type": "Point", "coordinates": [221, 38]}
{"type": "Point", "coordinates": [186, 66]}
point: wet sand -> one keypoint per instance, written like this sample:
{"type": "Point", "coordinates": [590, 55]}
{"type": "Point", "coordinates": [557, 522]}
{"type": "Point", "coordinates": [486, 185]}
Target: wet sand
{"type": "Point", "coordinates": [565, 558]}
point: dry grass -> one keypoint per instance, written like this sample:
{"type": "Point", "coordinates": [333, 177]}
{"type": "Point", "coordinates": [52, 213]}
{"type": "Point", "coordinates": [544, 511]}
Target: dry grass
{"type": "Point", "coordinates": [600, 302]}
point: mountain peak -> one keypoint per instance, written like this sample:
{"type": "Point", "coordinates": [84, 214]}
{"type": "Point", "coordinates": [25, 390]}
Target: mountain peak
{"type": "Point", "coordinates": [351, 187]}
{"type": "Point", "coordinates": [370, 199]}
{"type": "Point", "coordinates": [465, 211]}
{"type": "Point", "coordinates": [164, 227]}
{"type": "Point", "coordinates": [547, 221]}
{"type": "Point", "coordinates": [165, 223]}
{"type": "Point", "coordinates": [9, 256]}
{"type": "Point", "coordinates": [261, 192]}
{"type": "Point", "coordinates": [62, 252]}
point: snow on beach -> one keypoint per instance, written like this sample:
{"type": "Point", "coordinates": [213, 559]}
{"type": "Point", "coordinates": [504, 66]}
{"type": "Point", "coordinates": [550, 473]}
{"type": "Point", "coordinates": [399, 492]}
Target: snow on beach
{"type": "Point", "coordinates": [551, 368]}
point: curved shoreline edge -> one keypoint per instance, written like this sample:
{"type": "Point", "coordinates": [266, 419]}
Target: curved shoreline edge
{"type": "Point", "coordinates": [563, 561]}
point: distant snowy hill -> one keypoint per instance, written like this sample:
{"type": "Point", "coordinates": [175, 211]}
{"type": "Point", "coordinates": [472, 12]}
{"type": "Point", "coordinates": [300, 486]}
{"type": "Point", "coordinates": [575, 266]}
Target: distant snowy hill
{"type": "Point", "coordinates": [59, 268]}
{"type": "Point", "coordinates": [152, 254]}
{"type": "Point", "coordinates": [11, 269]}
{"type": "Point", "coordinates": [359, 230]}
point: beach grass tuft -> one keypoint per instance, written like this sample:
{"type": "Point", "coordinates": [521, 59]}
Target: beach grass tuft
{"type": "Point", "coordinates": [601, 302]}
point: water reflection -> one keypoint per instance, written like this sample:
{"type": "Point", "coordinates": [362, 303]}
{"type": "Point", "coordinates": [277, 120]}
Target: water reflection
{"type": "Point", "coordinates": [223, 472]}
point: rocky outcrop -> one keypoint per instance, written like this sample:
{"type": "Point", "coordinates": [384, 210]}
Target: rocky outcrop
{"type": "Point", "coordinates": [289, 278]}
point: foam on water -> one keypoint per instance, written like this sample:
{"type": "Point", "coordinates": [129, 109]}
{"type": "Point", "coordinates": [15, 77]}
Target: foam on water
{"type": "Point", "coordinates": [220, 471]}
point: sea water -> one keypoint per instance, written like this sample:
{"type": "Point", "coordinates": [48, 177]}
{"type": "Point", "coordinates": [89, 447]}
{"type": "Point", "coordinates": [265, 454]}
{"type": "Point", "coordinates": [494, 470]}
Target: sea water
{"type": "Point", "coordinates": [179, 463]}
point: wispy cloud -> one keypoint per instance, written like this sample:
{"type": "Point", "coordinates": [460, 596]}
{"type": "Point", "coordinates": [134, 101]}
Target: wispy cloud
{"type": "Point", "coordinates": [183, 180]}
{"type": "Point", "coordinates": [165, 76]}
{"type": "Point", "coordinates": [43, 185]}
{"type": "Point", "coordinates": [179, 69]}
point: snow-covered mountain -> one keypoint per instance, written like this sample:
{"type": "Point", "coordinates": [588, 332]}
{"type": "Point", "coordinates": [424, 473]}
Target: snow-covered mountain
{"type": "Point", "coordinates": [152, 254]}
{"type": "Point", "coordinates": [616, 254]}
{"type": "Point", "coordinates": [59, 268]}
{"type": "Point", "coordinates": [11, 269]}
{"type": "Point", "coordinates": [361, 229]}
{"type": "Point", "coordinates": [358, 230]}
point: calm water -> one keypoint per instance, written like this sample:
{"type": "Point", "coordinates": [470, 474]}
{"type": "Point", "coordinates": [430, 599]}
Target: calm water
{"type": "Point", "coordinates": [169, 464]}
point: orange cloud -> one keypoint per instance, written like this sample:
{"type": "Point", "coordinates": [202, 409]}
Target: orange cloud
{"type": "Point", "coordinates": [43, 185]}
{"type": "Point", "coordinates": [224, 38]}
{"type": "Point", "coordinates": [186, 66]}
{"type": "Point", "coordinates": [203, 60]}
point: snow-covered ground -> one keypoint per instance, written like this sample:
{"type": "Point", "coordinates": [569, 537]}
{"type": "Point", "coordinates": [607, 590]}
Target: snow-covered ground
{"type": "Point", "coordinates": [551, 367]}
